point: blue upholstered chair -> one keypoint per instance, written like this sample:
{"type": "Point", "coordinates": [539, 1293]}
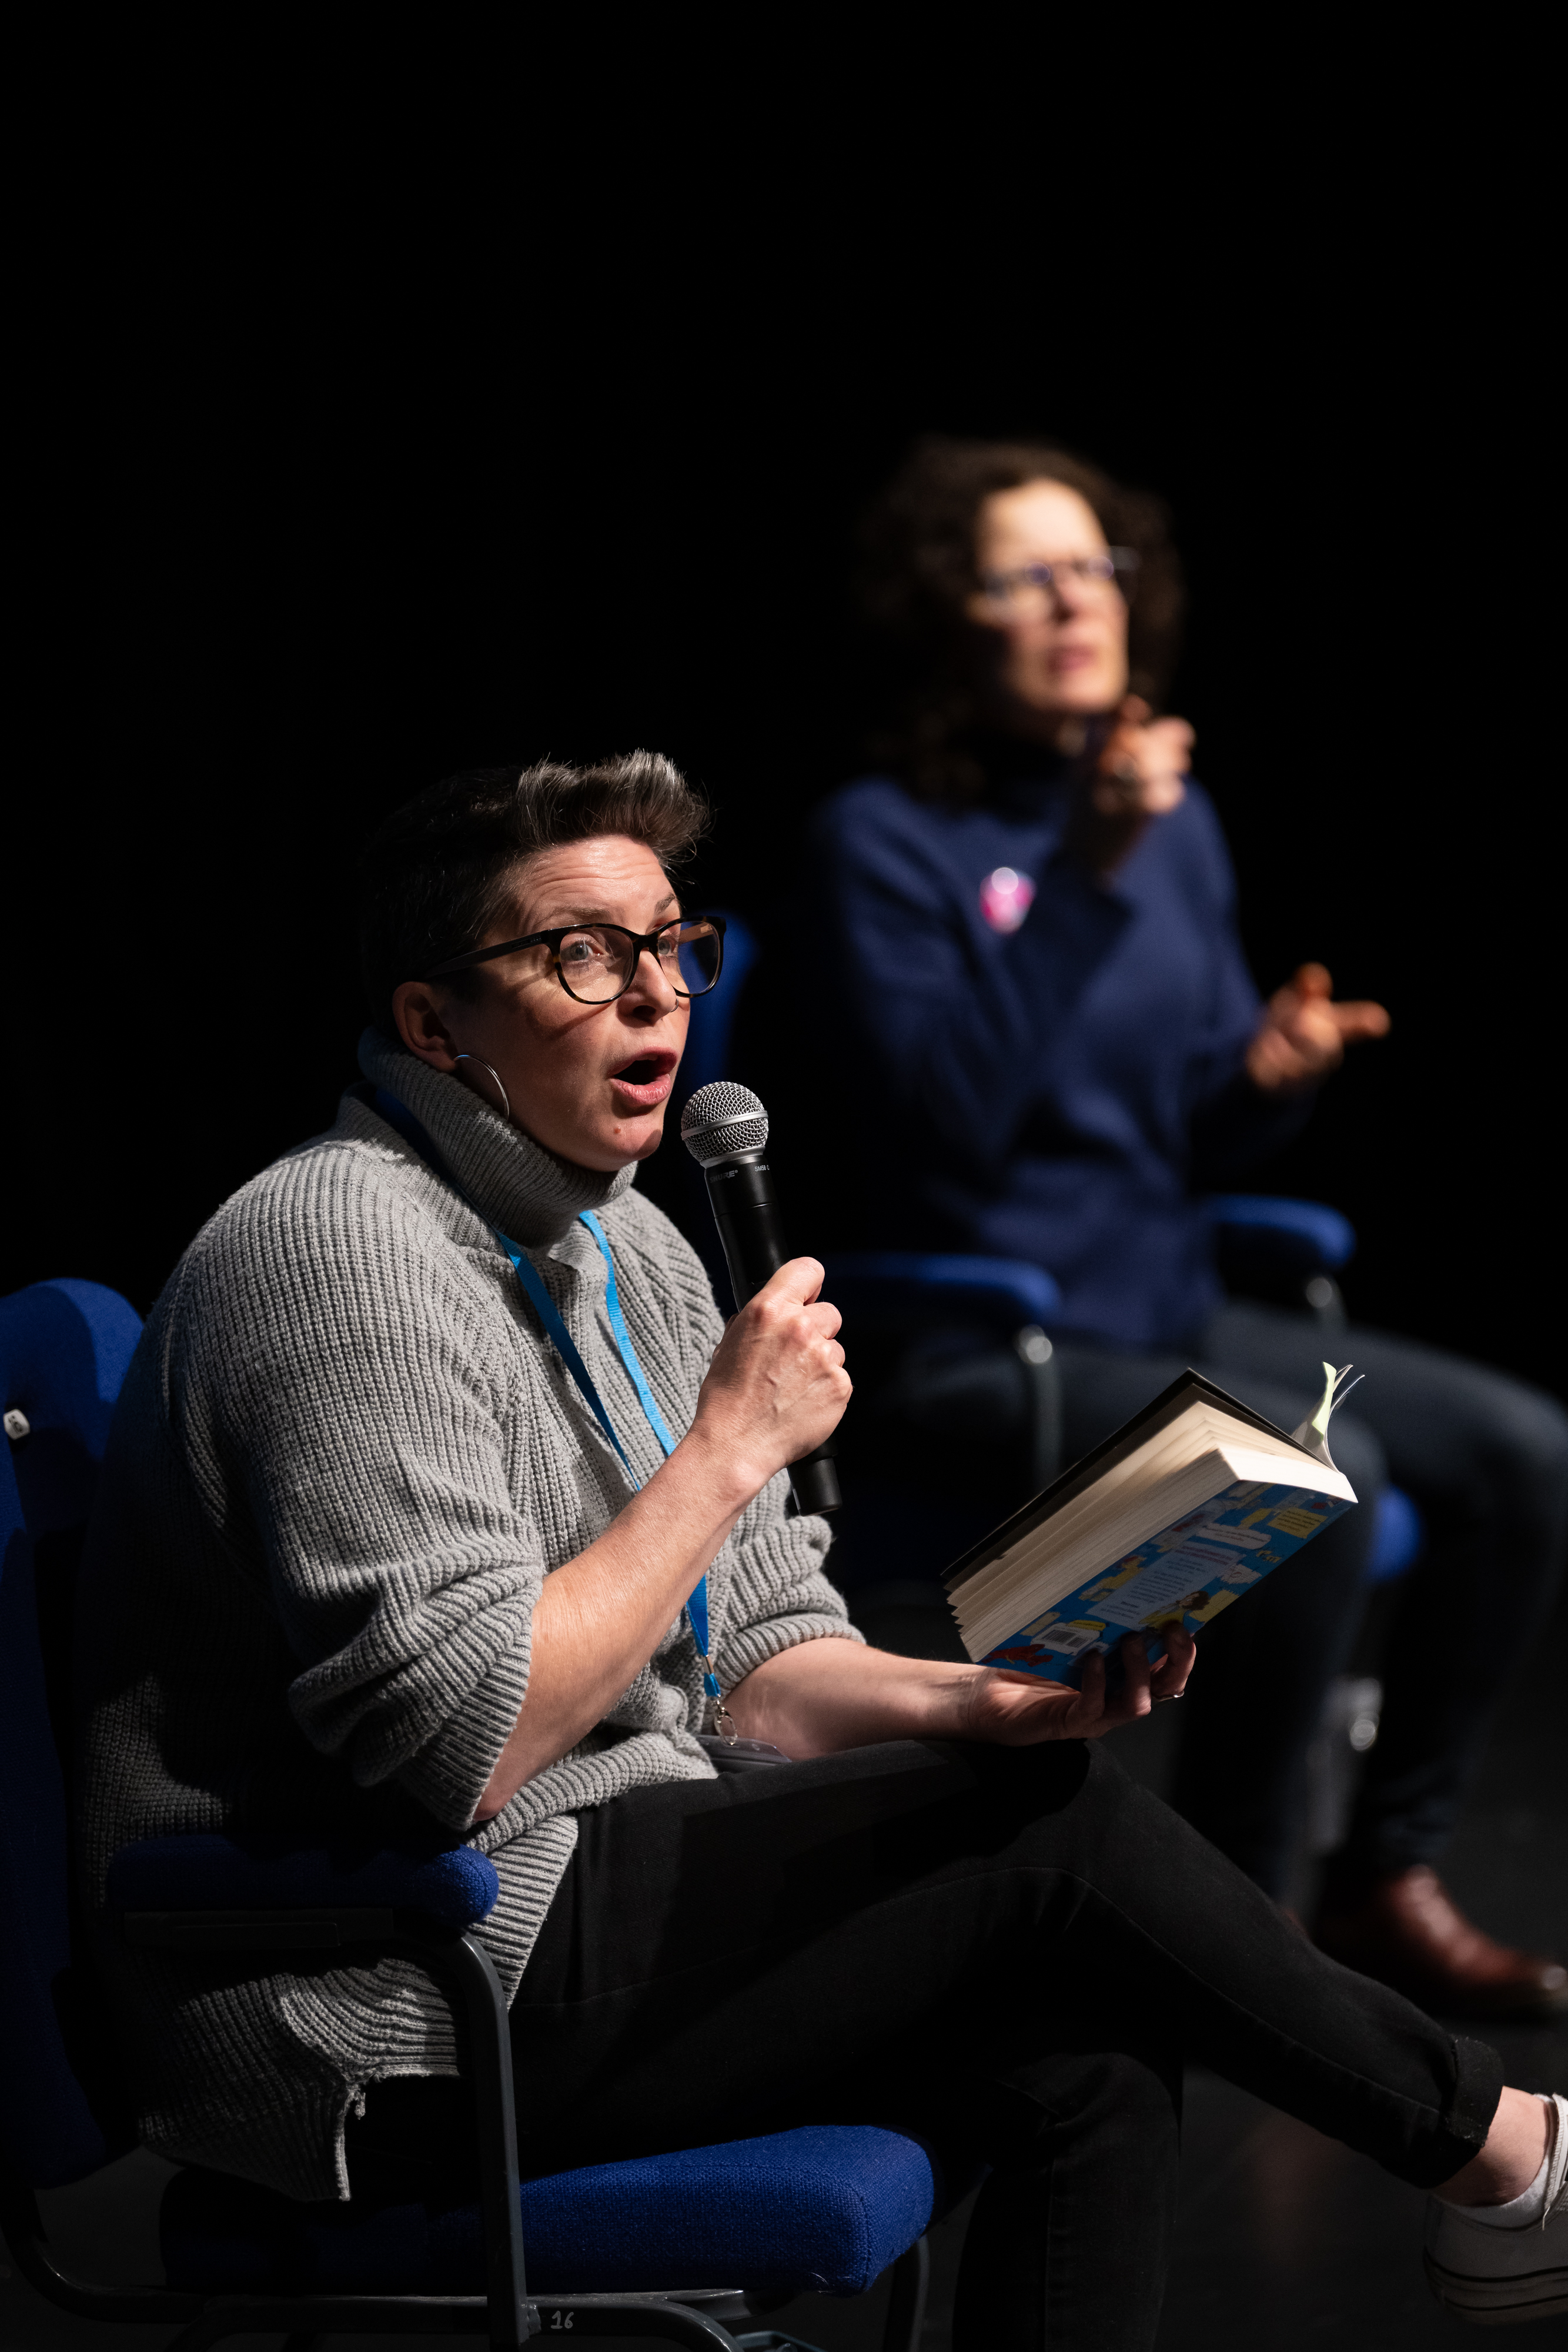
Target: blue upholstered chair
{"type": "Point", "coordinates": [1291, 1249]}
{"type": "Point", "coordinates": [612, 2250]}
{"type": "Point", "coordinates": [1288, 1249]}
{"type": "Point", "coordinates": [63, 1350]}
{"type": "Point", "coordinates": [1297, 1248]}
{"type": "Point", "coordinates": [1302, 1244]}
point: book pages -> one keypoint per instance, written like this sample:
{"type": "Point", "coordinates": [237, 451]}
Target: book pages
{"type": "Point", "coordinates": [1190, 1571]}
{"type": "Point", "coordinates": [1059, 1565]}
{"type": "Point", "coordinates": [1111, 1514]}
{"type": "Point", "coordinates": [1183, 1509]}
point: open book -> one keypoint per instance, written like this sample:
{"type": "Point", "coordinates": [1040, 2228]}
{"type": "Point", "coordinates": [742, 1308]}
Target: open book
{"type": "Point", "coordinates": [1195, 1500]}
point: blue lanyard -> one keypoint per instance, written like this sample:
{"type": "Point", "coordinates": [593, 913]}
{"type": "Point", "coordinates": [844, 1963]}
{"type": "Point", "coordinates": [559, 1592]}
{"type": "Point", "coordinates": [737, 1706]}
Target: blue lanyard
{"type": "Point", "coordinates": [399, 1116]}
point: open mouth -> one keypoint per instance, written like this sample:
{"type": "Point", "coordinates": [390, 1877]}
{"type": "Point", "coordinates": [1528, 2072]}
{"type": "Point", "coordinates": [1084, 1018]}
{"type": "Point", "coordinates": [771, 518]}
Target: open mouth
{"type": "Point", "coordinates": [647, 1079]}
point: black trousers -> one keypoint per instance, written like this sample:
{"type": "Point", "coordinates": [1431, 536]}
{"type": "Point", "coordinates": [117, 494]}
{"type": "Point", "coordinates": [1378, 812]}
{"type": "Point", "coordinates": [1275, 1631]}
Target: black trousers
{"type": "Point", "coordinates": [1487, 1460]}
{"type": "Point", "coordinates": [1009, 1953]}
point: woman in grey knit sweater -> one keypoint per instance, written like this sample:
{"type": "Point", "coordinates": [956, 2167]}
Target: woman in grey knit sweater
{"type": "Point", "coordinates": [367, 1565]}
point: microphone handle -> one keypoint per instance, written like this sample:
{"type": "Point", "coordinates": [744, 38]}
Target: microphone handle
{"type": "Point", "coordinates": [746, 1214]}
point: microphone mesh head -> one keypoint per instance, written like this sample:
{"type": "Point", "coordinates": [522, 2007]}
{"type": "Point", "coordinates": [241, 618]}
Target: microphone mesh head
{"type": "Point", "coordinates": [722, 1120]}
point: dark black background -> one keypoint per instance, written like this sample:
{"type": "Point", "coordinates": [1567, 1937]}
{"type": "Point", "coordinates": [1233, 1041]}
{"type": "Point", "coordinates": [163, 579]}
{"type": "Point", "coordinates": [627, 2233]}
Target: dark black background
{"type": "Point", "coordinates": [335, 511]}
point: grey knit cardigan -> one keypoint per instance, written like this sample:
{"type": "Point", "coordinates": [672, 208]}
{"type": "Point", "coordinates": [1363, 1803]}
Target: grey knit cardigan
{"type": "Point", "coordinates": [343, 1463]}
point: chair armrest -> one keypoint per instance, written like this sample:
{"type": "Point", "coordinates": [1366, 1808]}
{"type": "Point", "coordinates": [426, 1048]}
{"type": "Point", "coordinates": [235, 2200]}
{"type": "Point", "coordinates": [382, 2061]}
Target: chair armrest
{"type": "Point", "coordinates": [451, 1889]}
{"type": "Point", "coordinates": [213, 1894]}
{"type": "Point", "coordinates": [903, 1288]}
{"type": "Point", "coordinates": [1297, 1236]}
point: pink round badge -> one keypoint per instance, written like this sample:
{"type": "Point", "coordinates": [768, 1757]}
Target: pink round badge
{"type": "Point", "coordinates": [1006, 898]}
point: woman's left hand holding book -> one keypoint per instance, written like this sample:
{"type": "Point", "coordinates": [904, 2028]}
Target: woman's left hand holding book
{"type": "Point", "coordinates": [1016, 1710]}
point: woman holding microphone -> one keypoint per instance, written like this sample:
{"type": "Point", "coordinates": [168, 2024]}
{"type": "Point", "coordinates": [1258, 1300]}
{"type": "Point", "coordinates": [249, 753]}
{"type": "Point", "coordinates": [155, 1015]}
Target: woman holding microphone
{"type": "Point", "coordinates": [438, 1504]}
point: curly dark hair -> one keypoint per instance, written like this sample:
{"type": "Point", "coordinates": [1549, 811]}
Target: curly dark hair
{"type": "Point", "coordinates": [917, 568]}
{"type": "Point", "coordinates": [436, 872]}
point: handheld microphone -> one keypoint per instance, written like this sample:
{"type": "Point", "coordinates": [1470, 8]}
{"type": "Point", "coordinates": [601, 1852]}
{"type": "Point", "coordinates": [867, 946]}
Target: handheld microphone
{"type": "Point", "coordinates": [725, 1129]}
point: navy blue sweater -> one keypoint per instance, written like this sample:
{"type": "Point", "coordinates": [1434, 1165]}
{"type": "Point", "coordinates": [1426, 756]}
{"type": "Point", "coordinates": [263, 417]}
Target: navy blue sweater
{"type": "Point", "coordinates": [1060, 1091]}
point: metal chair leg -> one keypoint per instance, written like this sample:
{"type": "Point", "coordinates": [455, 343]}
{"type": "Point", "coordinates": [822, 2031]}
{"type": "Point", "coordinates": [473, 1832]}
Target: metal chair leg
{"type": "Point", "coordinates": [512, 2319]}
{"type": "Point", "coordinates": [906, 2304]}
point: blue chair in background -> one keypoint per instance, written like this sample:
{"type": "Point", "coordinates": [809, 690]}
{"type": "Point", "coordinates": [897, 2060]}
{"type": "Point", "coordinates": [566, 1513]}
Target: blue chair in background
{"type": "Point", "coordinates": [709, 1055]}
{"type": "Point", "coordinates": [1289, 1250]}
{"type": "Point", "coordinates": [1295, 1249]}
{"type": "Point", "coordinates": [710, 1036]}
{"type": "Point", "coordinates": [63, 1350]}
{"type": "Point", "coordinates": [1284, 1246]}
{"type": "Point", "coordinates": [612, 2250]}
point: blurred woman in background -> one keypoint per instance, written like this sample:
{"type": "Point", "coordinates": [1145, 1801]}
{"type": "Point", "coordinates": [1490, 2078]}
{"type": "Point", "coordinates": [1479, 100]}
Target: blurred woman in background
{"type": "Point", "coordinates": [1030, 909]}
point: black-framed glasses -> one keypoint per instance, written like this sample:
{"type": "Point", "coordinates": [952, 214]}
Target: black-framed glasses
{"type": "Point", "coordinates": [596, 963]}
{"type": "Point", "coordinates": [1032, 582]}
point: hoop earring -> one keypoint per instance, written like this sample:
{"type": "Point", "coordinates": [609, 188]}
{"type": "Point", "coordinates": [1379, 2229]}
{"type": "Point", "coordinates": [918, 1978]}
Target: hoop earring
{"type": "Point", "coordinates": [506, 1106]}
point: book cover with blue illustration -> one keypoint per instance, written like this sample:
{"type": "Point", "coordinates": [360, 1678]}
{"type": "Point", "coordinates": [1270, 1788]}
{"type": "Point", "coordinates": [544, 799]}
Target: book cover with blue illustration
{"type": "Point", "coordinates": [1180, 1513]}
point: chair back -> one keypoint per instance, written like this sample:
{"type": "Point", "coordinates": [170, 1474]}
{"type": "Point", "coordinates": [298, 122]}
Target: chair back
{"type": "Point", "coordinates": [710, 1036]}
{"type": "Point", "coordinates": [710, 1044]}
{"type": "Point", "coordinates": [65, 1346]}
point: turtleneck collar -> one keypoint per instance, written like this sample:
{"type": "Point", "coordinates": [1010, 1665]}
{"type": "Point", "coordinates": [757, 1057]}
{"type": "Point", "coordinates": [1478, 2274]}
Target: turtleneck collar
{"type": "Point", "coordinates": [511, 1180]}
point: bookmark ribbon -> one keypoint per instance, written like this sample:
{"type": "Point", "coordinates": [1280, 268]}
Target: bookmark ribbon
{"type": "Point", "coordinates": [1313, 1432]}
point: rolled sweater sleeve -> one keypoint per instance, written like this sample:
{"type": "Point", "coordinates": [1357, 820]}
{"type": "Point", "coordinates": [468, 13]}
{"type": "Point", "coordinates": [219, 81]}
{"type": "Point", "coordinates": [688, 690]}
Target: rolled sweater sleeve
{"type": "Point", "coordinates": [780, 1590]}
{"type": "Point", "coordinates": [372, 1450]}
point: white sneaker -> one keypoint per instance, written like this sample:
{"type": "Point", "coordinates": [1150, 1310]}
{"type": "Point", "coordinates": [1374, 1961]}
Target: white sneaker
{"type": "Point", "coordinates": [1500, 2278]}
